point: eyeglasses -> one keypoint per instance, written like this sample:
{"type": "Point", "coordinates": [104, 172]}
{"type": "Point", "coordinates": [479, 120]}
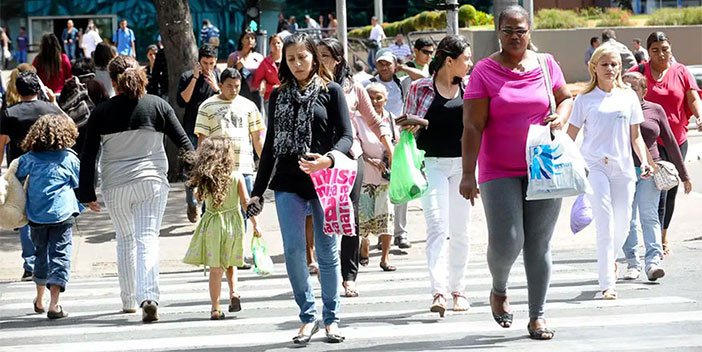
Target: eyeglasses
{"type": "Point", "coordinates": [427, 52]}
{"type": "Point", "coordinates": [519, 32]}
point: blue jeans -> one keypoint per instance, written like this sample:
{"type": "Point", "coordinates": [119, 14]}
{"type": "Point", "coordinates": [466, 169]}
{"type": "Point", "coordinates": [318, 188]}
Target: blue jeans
{"type": "Point", "coordinates": [53, 263]}
{"type": "Point", "coordinates": [292, 210]}
{"type": "Point", "coordinates": [70, 50]}
{"type": "Point", "coordinates": [21, 56]}
{"type": "Point", "coordinates": [28, 250]}
{"type": "Point", "coordinates": [646, 201]}
{"type": "Point", "coordinates": [189, 196]}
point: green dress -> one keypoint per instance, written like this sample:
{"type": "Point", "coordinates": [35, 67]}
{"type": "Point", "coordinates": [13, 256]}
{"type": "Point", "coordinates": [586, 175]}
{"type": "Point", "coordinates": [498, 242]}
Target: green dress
{"type": "Point", "coordinates": [218, 238]}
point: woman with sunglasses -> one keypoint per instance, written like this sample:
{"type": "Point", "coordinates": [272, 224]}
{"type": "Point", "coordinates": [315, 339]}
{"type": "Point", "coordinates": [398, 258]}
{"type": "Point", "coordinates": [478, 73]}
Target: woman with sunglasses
{"type": "Point", "coordinates": [507, 94]}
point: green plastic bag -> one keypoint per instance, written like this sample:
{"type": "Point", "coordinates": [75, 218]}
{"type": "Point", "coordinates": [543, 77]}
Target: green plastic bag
{"type": "Point", "coordinates": [263, 264]}
{"type": "Point", "coordinates": [407, 179]}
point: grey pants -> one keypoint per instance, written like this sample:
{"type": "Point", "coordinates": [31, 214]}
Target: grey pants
{"type": "Point", "coordinates": [515, 224]}
{"type": "Point", "coordinates": [400, 221]}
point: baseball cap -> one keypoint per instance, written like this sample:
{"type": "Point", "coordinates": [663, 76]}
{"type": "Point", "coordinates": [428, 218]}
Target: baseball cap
{"type": "Point", "coordinates": [386, 55]}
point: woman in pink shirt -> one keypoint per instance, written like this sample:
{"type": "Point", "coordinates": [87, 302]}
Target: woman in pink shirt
{"type": "Point", "coordinates": [673, 87]}
{"type": "Point", "coordinates": [266, 76]}
{"type": "Point", "coordinates": [53, 67]}
{"type": "Point", "coordinates": [331, 53]}
{"type": "Point", "coordinates": [505, 95]}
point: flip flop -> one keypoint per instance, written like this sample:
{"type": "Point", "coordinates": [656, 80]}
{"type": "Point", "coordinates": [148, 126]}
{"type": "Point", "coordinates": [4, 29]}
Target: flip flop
{"type": "Point", "coordinates": [217, 315]}
{"type": "Point", "coordinates": [350, 292]}
{"type": "Point", "coordinates": [57, 315]}
{"type": "Point", "coordinates": [37, 309]}
{"type": "Point", "coordinates": [364, 261]}
{"type": "Point", "coordinates": [235, 304]}
{"type": "Point", "coordinates": [388, 267]}
{"type": "Point", "coordinates": [538, 334]}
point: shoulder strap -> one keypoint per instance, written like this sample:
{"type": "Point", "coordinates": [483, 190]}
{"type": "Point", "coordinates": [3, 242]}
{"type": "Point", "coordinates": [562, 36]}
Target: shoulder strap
{"type": "Point", "coordinates": [547, 78]}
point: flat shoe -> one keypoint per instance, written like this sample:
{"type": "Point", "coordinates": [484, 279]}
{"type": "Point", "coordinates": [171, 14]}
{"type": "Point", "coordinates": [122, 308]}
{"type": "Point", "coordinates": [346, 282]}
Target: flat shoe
{"type": "Point", "coordinates": [149, 311]}
{"type": "Point", "coordinates": [57, 315]}
{"type": "Point", "coordinates": [437, 306]}
{"type": "Point", "coordinates": [505, 319]}
{"type": "Point", "coordinates": [37, 309]}
{"type": "Point", "coordinates": [305, 339]}
{"type": "Point", "coordinates": [217, 315]}
{"type": "Point", "coordinates": [388, 267]}
{"type": "Point", "coordinates": [235, 304]}
{"type": "Point", "coordinates": [335, 338]}
{"type": "Point", "coordinates": [538, 334]}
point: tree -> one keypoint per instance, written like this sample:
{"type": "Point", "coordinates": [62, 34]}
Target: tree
{"type": "Point", "coordinates": [174, 22]}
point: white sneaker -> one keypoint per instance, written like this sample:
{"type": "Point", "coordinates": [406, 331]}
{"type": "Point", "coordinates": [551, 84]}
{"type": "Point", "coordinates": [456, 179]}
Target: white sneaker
{"type": "Point", "coordinates": [655, 272]}
{"type": "Point", "coordinates": [632, 274]}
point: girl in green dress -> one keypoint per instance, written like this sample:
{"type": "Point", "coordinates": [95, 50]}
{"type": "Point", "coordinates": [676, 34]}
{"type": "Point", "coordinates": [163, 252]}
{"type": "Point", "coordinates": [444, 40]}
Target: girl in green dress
{"type": "Point", "coordinates": [218, 238]}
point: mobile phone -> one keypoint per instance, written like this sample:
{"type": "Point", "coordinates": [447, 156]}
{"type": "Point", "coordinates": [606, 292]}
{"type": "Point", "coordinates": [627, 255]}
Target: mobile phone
{"type": "Point", "coordinates": [42, 91]}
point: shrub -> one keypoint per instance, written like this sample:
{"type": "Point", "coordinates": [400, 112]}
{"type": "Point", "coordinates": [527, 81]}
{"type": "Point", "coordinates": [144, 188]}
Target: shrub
{"type": "Point", "coordinates": [676, 17]}
{"type": "Point", "coordinates": [614, 17]}
{"type": "Point", "coordinates": [590, 13]}
{"type": "Point", "coordinates": [423, 21]}
{"type": "Point", "coordinates": [482, 18]}
{"type": "Point", "coordinates": [556, 18]}
{"type": "Point", "coordinates": [466, 15]}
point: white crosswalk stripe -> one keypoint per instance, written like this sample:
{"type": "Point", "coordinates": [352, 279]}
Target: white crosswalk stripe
{"type": "Point", "coordinates": [390, 305]}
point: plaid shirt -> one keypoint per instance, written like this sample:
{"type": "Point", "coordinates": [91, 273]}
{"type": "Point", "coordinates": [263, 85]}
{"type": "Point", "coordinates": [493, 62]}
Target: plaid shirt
{"type": "Point", "coordinates": [421, 95]}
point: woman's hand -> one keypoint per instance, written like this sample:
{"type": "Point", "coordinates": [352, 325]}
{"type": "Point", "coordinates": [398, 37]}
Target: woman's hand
{"type": "Point", "coordinates": [257, 232]}
{"type": "Point", "coordinates": [688, 186]}
{"type": "Point", "coordinates": [469, 188]}
{"type": "Point", "coordinates": [556, 121]}
{"type": "Point", "coordinates": [313, 162]}
{"type": "Point", "coordinates": [50, 95]}
{"type": "Point", "coordinates": [254, 206]}
{"type": "Point", "coordinates": [646, 171]}
{"type": "Point", "coordinates": [94, 206]}
{"type": "Point", "coordinates": [377, 163]}
{"type": "Point", "coordinates": [262, 88]}
{"type": "Point", "coordinates": [239, 64]}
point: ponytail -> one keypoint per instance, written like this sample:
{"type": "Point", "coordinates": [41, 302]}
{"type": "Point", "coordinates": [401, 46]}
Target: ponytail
{"type": "Point", "coordinates": [451, 46]}
{"type": "Point", "coordinates": [130, 79]}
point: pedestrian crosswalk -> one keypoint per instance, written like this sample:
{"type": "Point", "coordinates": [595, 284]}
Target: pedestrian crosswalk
{"type": "Point", "coordinates": [391, 313]}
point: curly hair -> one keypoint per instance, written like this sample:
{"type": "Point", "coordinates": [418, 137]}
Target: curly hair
{"type": "Point", "coordinates": [213, 165]}
{"type": "Point", "coordinates": [51, 132]}
{"type": "Point", "coordinates": [130, 77]}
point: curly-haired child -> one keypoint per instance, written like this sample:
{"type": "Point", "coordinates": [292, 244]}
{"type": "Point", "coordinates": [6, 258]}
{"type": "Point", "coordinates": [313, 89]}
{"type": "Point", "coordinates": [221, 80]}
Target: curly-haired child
{"type": "Point", "coordinates": [52, 168]}
{"type": "Point", "coordinates": [218, 238]}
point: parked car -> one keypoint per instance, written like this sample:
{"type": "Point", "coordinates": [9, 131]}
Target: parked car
{"type": "Point", "coordinates": [696, 71]}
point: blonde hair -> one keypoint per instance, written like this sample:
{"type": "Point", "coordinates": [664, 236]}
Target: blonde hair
{"type": "Point", "coordinates": [212, 169]}
{"type": "Point", "coordinates": [13, 97]}
{"type": "Point", "coordinates": [595, 58]}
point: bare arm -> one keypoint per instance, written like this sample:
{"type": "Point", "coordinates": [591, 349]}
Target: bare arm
{"type": "Point", "coordinates": [573, 132]}
{"type": "Point", "coordinates": [564, 106]}
{"type": "Point", "coordinates": [413, 73]}
{"type": "Point", "coordinates": [695, 105]}
{"type": "Point", "coordinates": [4, 139]}
{"type": "Point", "coordinates": [200, 139]}
{"type": "Point", "coordinates": [187, 93]}
{"type": "Point", "coordinates": [475, 116]}
{"type": "Point", "coordinates": [258, 138]}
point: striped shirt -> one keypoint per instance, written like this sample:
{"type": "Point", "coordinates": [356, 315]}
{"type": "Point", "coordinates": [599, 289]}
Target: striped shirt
{"type": "Point", "coordinates": [402, 51]}
{"type": "Point", "coordinates": [421, 95]}
{"type": "Point", "coordinates": [235, 119]}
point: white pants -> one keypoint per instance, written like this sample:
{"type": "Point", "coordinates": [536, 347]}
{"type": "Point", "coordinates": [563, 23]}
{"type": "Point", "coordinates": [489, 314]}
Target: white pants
{"type": "Point", "coordinates": [447, 216]}
{"type": "Point", "coordinates": [136, 209]}
{"type": "Point", "coordinates": [613, 194]}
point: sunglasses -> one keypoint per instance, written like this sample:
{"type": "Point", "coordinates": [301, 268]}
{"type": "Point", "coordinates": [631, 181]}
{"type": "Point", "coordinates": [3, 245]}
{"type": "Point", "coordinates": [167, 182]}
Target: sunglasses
{"type": "Point", "coordinates": [427, 52]}
{"type": "Point", "coordinates": [519, 32]}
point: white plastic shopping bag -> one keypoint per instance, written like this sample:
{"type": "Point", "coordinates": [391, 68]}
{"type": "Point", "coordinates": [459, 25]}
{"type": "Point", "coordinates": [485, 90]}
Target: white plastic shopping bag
{"type": "Point", "coordinates": [556, 167]}
{"type": "Point", "coordinates": [333, 187]}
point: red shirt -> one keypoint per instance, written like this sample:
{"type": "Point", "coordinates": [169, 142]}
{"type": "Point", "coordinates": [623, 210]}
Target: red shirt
{"type": "Point", "coordinates": [56, 82]}
{"type": "Point", "coordinates": [670, 93]}
{"type": "Point", "coordinates": [267, 71]}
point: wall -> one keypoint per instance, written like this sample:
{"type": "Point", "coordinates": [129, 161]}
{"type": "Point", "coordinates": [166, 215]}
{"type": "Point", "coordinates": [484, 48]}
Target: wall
{"type": "Point", "coordinates": [568, 46]}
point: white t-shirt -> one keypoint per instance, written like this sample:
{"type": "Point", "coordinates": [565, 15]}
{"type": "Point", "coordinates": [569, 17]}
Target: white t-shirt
{"type": "Point", "coordinates": [606, 119]}
{"type": "Point", "coordinates": [395, 103]}
{"type": "Point", "coordinates": [377, 33]}
{"type": "Point", "coordinates": [90, 41]}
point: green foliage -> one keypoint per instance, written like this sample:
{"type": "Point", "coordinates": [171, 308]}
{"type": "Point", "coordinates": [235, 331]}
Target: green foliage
{"type": "Point", "coordinates": [426, 20]}
{"type": "Point", "coordinates": [556, 18]}
{"type": "Point", "coordinates": [466, 14]}
{"type": "Point", "coordinates": [676, 17]}
{"type": "Point", "coordinates": [590, 13]}
{"type": "Point", "coordinates": [614, 17]}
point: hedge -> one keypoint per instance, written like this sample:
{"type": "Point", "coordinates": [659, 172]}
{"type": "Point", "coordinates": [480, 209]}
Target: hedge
{"type": "Point", "coordinates": [556, 19]}
{"type": "Point", "coordinates": [676, 17]}
{"type": "Point", "coordinates": [428, 20]}
{"type": "Point", "coordinates": [614, 17]}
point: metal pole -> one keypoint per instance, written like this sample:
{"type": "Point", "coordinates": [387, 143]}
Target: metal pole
{"type": "Point", "coordinates": [452, 17]}
{"type": "Point", "coordinates": [529, 6]}
{"type": "Point", "coordinates": [378, 5]}
{"type": "Point", "coordinates": [341, 29]}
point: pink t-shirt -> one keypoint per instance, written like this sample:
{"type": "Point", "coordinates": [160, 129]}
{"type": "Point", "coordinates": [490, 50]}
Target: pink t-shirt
{"type": "Point", "coordinates": [670, 93]}
{"type": "Point", "coordinates": [517, 100]}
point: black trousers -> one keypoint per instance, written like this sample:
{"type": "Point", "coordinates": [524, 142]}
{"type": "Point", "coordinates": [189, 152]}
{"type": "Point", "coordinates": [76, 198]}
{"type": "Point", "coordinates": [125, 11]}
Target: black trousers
{"type": "Point", "coordinates": [350, 245]}
{"type": "Point", "coordinates": [666, 206]}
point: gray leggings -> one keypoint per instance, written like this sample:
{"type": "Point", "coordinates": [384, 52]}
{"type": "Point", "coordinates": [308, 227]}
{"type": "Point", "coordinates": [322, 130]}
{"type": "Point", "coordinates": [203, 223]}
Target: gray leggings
{"type": "Point", "coordinates": [515, 223]}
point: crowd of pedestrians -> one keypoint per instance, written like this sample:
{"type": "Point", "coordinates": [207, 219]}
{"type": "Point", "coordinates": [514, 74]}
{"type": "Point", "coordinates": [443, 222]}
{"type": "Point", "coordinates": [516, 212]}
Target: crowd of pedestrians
{"type": "Point", "coordinates": [304, 109]}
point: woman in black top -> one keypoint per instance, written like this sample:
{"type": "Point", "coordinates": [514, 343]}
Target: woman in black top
{"type": "Point", "coordinates": [308, 119]}
{"type": "Point", "coordinates": [439, 99]}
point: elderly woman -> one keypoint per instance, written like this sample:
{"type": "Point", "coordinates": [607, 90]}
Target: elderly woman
{"type": "Point", "coordinates": [506, 94]}
{"type": "Point", "coordinates": [672, 86]}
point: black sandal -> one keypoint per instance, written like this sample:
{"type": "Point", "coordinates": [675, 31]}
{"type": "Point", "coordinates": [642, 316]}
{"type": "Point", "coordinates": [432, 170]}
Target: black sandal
{"type": "Point", "coordinates": [387, 267]}
{"type": "Point", "coordinates": [505, 319]}
{"type": "Point", "coordinates": [37, 309]}
{"type": "Point", "coordinates": [57, 315]}
{"type": "Point", "coordinates": [364, 261]}
{"type": "Point", "coordinates": [217, 315]}
{"type": "Point", "coordinates": [538, 334]}
{"type": "Point", "coordinates": [235, 304]}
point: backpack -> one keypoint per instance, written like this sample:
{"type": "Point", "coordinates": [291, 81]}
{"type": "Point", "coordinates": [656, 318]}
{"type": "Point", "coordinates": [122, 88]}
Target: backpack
{"type": "Point", "coordinates": [77, 104]}
{"type": "Point", "coordinates": [642, 68]}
